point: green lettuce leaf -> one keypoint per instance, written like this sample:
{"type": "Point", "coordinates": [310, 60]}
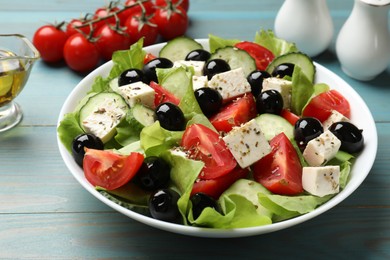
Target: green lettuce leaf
{"type": "Point", "coordinates": [302, 90]}
{"type": "Point", "coordinates": [68, 129]}
{"type": "Point", "coordinates": [276, 45]}
{"type": "Point", "coordinates": [216, 42]}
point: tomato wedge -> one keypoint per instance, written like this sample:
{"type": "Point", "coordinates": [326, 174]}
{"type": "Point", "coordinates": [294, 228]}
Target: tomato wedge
{"type": "Point", "coordinates": [162, 95]}
{"type": "Point", "coordinates": [289, 116]}
{"type": "Point", "coordinates": [321, 106]}
{"type": "Point", "coordinates": [204, 144]}
{"type": "Point", "coordinates": [110, 170]}
{"type": "Point", "coordinates": [280, 171]}
{"type": "Point", "coordinates": [215, 187]}
{"type": "Point", "coordinates": [235, 113]}
{"type": "Point", "coordinates": [260, 54]}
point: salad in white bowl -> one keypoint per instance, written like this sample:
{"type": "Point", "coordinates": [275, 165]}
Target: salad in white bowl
{"type": "Point", "coordinates": [217, 134]}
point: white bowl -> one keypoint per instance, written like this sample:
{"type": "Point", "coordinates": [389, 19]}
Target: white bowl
{"type": "Point", "coordinates": [360, 116]}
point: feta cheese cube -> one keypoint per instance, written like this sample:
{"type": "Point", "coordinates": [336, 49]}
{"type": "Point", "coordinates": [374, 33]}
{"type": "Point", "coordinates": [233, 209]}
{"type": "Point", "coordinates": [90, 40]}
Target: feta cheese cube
{"type": "Point", "coordinates": [230, 84]}
{"type": "Point", "coordinates": [197, 65]}
{"type": "Point", "coordinates": [321, 149]}
{"type": "Point", "coordinates": [334, 118]}
{"type": "Point", "coordinates": [103, 121]}
{"type": "Point", "coordinates": [199, 82]}
{"type": "Point", "coordinates": [247, 143]}
{"type": "Point", "coordinates": [284, 87]}
{"type": "Point", "coordinates": [137, 92]}
{"type": "Point", "coordinates": [321, 181]}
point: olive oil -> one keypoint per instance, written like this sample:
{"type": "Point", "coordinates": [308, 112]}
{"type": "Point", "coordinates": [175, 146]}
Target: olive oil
{"type": "Point", "coordinates": [13, 76]}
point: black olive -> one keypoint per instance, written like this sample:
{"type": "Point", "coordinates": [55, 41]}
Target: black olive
{"type": "Point", "coordinates": [154, 173]}
{"type": "Point", "coordinates": [150, 68]}
{"type": "Point", "coordinates": [284, 69]}
{"type": "Point", "coordinates": [163, 205]}
{"type": "Point", "coordinates": [170, 117]}
{"type": "Point", "coordinates": [85, 141]}
{"type": "Point", "coordinates": [210, 100]}
{"type": "Point", "coordinates": [269, 101]}
{"type": "Point", "coordinates": [352, 140]}
{"type": "Point", "coordinates": [306, 129]}
{"type": "Point", "coordinates": [130, 76]}
{"type": "Point", "coordinates": [198, 55]}
{"type": "Point", "coordinates": [215, 66]}
{"type": "Point", "coordinates": [200, 201]}
{"type": "Point", "coordinates": [255, 79]}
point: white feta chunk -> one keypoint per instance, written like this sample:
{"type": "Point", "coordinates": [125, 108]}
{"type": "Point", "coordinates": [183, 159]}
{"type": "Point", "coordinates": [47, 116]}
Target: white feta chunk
{"type": "Point", "coordinates": [284, 87]}
{"type": "Point", "coordinates": [199, 82]}
{"type": "Point", "coordinates": [103, 121]}
{"type": "Point", "coordinates": [137, 92]}
{"type": "Point", "coordinates": [334, 118]}
{"type": "Point", "coordinates": [321, 181]}
{"type": "Point", "coordinates": [197, 65]}
{"type": "Point", "coordinates": [321, 149]}
{"type": "Point", "coordinates": [247, 143]}
{"type": "Point", "coordinates": [230, 84]}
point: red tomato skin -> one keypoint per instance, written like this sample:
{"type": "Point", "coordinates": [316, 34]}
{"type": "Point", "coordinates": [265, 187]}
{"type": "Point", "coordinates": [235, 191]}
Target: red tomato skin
{"type": "Point", "coordinates": [215, 187]}
{"type": "Point", "coordinates": [289, 116]}
{"type": "Point", "coordinates": [185, 4]}
{"type": "Point", "coordinates": [171, 23]}
{"type": "Point", "coordinates": [235, 113]}
{"type": "Point", "coordinates": [162, 95]}
{"type": "Point", "coordinates": [280, 171]}
{"type": "Point", "coordinates": [104, 13]}
{"type": "Point", "coordinates": [49, 41]}
{"type": "Point", "coordinates": [206, 145]}
{"type": "Point", "coordinates": [262, 55]}
{"type": "Point", "coordinates": [109, 41]}
{"type": "Point", "coordinates": [321, 106]}
{"type": "Point", "coordinates": [70, 27]}
{"type": "Point", "coordinates": [110, 170]}
{"type": "Point", "coordinates": [137, 28]}
{"type": "Point", "coordinates": [149, 57]}
{"type": "Point", "coordinates": [80, 54]}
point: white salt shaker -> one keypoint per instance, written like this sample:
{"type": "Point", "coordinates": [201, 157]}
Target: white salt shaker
{"type": "Point", "coordinates": [307, 23]}
{"type": "Point", "coordinates": [363, 44]}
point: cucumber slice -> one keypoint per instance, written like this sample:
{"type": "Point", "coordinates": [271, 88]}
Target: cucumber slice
{"type": "Point", "coordinates": [272, 125]}
{"type": "Point", "coordinates": [298, 58]}
{"type": "Point", "coordinates": [178, 48]}
{"type": "Point", "coordinates": [236, 58]}
{"type": "Point", "coordinates": [141, 115]}
{"type": "Point", "coordinates": [97, 105]}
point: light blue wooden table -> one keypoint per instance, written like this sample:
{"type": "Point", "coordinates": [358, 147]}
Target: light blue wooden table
{"type": "Point", "coordinates": [46, 214]}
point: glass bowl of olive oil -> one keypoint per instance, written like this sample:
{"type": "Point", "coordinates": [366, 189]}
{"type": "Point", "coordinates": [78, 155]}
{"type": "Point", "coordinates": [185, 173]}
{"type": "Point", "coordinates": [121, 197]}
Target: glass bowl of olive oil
{"type": "Point", "coordinates": [17, 57]}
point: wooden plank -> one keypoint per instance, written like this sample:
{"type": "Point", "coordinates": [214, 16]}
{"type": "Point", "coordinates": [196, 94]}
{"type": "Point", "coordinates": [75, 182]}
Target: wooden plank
{"type": "Point", "coordinates": [339, 234]}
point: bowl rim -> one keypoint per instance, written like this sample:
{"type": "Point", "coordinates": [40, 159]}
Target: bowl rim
{"type": "Point", "coordinates": [364, 164]}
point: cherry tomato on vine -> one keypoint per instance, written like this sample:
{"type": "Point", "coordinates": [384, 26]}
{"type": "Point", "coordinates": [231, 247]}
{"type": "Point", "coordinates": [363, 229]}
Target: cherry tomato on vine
{"type": "Point", "coordinates": [110, 39]}
{"type": "Point", "coordinates": [104, 12]}
{"type": "Point", "coordinates": [70, 27]}
{"type": "Point", "coordinates": [139, 25]}
{"type": "Point", "coordinates": [185, 4]}
{"type": "Point", "coordinates": [49, 41]}
{"type": "Point", "coordinates": [80, 54]}
{"type": "Point", "coordinates": [171, 21]}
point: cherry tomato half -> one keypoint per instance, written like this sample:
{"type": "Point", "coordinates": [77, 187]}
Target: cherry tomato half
{"type": "Point", "coordinates": [49, 41]}
{"type": "Point", "coordinates": [215, 187]}
{"type": "Point", "coordinates": [280, 171]}
{"type": "Point", "coordinates": [262, 55]}
{"type": "Point", "coordinates": [110, 170]}
{"type": "Point", "coordinates": [321, 106]}
{"type": "Point", "coordinates": [204, 144]}
{"type": "Point", "coordinates": [235, 113]}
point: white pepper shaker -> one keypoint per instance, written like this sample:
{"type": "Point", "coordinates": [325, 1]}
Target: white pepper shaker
{"type": "Point", "coordinates": [307, 23]}
{"type": "Point", "coordinates": [363, 44]}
